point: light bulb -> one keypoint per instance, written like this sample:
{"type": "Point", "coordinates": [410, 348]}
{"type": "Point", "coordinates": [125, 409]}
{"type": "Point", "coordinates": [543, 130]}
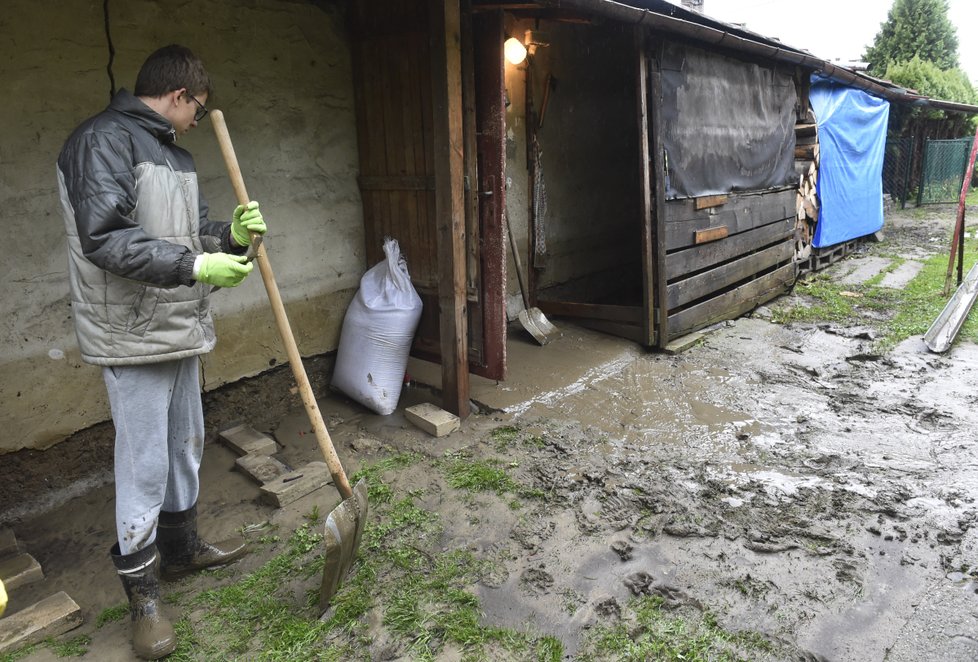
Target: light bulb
{"type": "Point", "coordinates": [515, 51]}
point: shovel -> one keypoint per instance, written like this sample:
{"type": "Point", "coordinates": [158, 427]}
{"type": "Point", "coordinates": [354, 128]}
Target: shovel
{"type": "Point", "coordinates": [344, 526]}
{"type": "Point", "coordinates": [532, 319]}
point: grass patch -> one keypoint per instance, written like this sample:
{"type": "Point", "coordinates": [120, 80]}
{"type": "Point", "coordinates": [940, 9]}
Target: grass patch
{"type": "Point", "coordinates": [648, 632]}
{"type": "Point", "coordinates": [503, 437]}
{"type": "Point", "coordinates": [112, 614]}
{"type": "Point", "coordinates": [74, 647]}
{"type": "Point", "coordinates": [487, 475]}
{"type": "Point", "coordinates": [896, 314]}
{"type": "Point", "coordinates": [403, 578]}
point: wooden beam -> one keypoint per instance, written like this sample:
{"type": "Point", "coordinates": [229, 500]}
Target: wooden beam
{"type": "Point", "coordinates": [631, 314]}
{"type": "Point", "coordinates": [659, 202]}
{"type": "Point", "coordinates": [490, 131]}
{"type": "Point", "coordinates": [446, 81]}
{"type": "Point", "coordinates": [645, 188]}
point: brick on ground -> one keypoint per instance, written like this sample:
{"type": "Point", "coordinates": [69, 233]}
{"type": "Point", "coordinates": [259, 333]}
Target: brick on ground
{"type": "Point", "coordinates": [20, 570]}
{"type": "Point", "coordinates": [433, 420]}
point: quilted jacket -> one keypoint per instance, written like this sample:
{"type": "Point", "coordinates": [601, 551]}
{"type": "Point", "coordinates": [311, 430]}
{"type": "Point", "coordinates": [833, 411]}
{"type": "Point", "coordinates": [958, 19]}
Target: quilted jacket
{"type": "Point", "coordinates": [135, 222]}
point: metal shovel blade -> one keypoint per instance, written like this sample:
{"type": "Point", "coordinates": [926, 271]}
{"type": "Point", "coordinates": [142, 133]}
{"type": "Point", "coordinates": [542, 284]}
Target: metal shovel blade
{"type": "Point", "coordinates": [536, 323]}
{"type": "Point", "coordinates": [341, 539]}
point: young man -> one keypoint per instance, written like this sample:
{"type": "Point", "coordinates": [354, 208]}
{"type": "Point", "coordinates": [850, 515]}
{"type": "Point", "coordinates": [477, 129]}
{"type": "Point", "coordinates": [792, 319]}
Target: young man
{"type": "Point", "coordinates": [143, 258]}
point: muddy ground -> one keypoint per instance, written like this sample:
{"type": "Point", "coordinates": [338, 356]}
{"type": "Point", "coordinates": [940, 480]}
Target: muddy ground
{"type": "Point", "coordinates": [787, 479]}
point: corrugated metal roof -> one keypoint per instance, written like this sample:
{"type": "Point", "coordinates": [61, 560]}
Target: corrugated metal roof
{"type": "Point", "coordinates": [665, 17]}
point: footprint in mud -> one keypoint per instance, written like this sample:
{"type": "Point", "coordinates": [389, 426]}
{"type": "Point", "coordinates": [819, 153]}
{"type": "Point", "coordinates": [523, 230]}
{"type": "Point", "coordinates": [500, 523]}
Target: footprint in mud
{"type": "Point", "coordinates": [623, 549]}
{"type": "Point", "coordinates": [639, 583]}
{"type": "Point", "coordinates": [537, 580]}
{"type": "Point", "coordinates": [531, 535]}
{"type": "Point", "coordinates": [498, 553]}
{"type": "Point", "coordinates": [613, 512]}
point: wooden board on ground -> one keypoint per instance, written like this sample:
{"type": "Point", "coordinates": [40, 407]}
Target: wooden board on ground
{"type": "Point", "coordinates": [20, 570]}
{"type": "Point", "coordinates": [294, 485]}
{"type": "Point", "coordinates": [50, 617]}
{"type": "Point", "coordinates": [246, 440]}
{"type": "Point", "coordinates": [260, 468]}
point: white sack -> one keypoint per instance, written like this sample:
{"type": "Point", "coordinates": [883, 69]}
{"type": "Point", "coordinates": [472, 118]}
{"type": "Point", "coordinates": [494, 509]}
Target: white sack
{"type": "Point", "coordinates": [377, 333]}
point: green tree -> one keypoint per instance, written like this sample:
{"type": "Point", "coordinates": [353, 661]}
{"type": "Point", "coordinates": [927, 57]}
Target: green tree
{"type": "Point", "coordinates": [926, 79]}
{"type": "Point", "coordinates": [914, 28]}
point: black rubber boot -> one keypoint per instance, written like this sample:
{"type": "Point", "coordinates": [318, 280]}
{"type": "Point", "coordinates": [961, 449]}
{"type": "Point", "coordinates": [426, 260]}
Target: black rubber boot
{"type": "Point", "coordinates": [152, 633]}
{"type": "Point", "coordinates": [183, 552]}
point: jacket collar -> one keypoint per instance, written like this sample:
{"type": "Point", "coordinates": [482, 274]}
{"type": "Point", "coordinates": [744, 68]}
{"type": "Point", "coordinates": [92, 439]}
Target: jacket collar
{"type": "Point", "coordinates": [129, 105]}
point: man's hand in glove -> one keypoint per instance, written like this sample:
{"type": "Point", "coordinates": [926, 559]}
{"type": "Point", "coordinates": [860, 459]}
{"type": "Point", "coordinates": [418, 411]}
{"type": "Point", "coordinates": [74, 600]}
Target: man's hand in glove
{"type": "Point", "coordinates": [222, 269]}
{"type": "Point", "coordinates": [247, 219]}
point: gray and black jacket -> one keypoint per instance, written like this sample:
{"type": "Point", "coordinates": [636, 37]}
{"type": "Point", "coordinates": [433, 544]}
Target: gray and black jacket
{"type": "Point", "coordinates": [135, 223]}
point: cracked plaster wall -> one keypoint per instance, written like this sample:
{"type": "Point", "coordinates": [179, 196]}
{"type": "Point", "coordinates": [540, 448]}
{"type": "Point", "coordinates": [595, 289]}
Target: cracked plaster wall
{"type": "Point", "coordinates": [283, 78]}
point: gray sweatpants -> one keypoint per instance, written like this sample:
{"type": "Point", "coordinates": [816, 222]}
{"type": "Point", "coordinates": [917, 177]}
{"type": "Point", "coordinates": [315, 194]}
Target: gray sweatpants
{"type": "Point", "coordinates": [159, 440]}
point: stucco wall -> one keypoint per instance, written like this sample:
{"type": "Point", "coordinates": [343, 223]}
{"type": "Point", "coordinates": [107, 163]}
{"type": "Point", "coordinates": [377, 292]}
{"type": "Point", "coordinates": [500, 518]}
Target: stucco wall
{"type": "Point", "coordinates": [283, 78]}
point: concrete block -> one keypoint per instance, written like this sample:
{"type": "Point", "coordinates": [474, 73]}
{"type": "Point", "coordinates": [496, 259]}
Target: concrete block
{"type": "Point", "coordinates": [288, 487]}
{"type": "Point", "coordinates": [50, 617]}
{"type": "Point", "coordinates": [246, 440]}
{"type": "Point", "coordinates": [260, 468]}
{"type": "Point", "coordinates": [8, 543]}
{"type": "Point", "coordinates": [20, 570]}
{"type": "Point", "coordinates": [433, 420]}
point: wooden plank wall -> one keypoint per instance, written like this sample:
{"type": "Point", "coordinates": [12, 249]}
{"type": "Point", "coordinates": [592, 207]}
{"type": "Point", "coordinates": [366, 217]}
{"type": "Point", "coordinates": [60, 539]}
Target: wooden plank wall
{"type": "Point", "coordinates": [393, 96]}
{"type": "Point", "coordinates": [726, 254]}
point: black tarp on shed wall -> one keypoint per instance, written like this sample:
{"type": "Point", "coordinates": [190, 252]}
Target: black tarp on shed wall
{"type": "Point", "coordinates": [728, 125]}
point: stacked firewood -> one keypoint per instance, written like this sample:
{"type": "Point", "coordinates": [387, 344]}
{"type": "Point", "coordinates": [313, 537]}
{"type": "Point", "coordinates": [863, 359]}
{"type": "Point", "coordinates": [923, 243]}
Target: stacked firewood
{"type": "Point", "coordinates": [806, 167]}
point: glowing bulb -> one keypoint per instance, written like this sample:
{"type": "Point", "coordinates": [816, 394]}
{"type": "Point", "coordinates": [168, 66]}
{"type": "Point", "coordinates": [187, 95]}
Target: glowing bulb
{"type": "Point", "coordinates": [515, 51]}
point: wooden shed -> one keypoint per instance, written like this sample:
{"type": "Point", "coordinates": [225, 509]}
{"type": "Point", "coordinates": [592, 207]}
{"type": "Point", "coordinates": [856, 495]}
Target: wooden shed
{"type": "Point", "coordinates": [643, 156]}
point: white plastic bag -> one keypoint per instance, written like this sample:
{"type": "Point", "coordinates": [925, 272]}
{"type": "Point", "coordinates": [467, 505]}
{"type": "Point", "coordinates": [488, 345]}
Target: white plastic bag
{"type": "Point", "coordinates": [377, 333]}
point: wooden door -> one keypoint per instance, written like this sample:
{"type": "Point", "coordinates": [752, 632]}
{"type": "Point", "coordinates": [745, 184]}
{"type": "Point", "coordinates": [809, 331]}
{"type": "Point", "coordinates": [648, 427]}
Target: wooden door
{"type": "Point", "coordinates": [391, 48]}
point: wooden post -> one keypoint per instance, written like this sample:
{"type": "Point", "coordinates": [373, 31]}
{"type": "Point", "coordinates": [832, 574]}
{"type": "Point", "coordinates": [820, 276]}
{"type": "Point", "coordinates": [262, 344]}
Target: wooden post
{"type": "Point", "coordinates": [659, 204]}
{"type": "Point", "coordinates": [645, 189]}
{"type": "Point", "coordinates": [444, 21]}
{"type": "Point", "coordinates": [958, 235]}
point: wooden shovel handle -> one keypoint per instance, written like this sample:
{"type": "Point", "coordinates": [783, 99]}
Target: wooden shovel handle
{"type": "Point", "coordinates": [281, 320]}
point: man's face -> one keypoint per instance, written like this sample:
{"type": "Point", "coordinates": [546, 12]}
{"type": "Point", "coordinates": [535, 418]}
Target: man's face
{"type": "Point", "coordinates": [186, 108]}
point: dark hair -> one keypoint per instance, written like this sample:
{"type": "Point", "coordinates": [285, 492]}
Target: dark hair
{"type": "Point", "coordinates": [171, 68]}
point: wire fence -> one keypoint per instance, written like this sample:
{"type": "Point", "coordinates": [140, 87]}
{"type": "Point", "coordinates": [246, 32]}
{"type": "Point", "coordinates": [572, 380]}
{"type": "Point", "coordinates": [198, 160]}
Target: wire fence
{"type": "Point", "coordinates": [931, 173]}
{"type": "Point", "coordinates": [898, 169]}
{"type": "Point", "coordinates": [945, 162]}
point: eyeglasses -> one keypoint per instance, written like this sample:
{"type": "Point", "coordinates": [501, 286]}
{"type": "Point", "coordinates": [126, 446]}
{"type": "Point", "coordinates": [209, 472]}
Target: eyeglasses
{"type": "Point", "coordinates": [201, 111]}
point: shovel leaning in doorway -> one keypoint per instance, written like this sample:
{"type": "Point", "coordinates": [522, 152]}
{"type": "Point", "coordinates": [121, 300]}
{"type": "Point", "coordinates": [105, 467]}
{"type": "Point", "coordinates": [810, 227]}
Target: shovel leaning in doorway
{"type": "Point", "coordinates": [532, 319]}
{"type": "Point", "coordinates": [344, 526]}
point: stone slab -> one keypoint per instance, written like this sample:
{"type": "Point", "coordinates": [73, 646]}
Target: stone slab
{"type": "Point", "coordinates": [50, 617]}
{"type": "Point", "coordinates": [858, 270]}
{"type": "Point", "coordinates": [899, 277]}
{"type": "Point", "coordinates": [433, 420]}
{"type": "Point", "coordinates": [20, 570]}
{"type": "Point", "coordinates": [260, 468]}
{"type": "Point", "coordinates": [294, 485]}
{"type": "Point", "coordinates": [246, 440]}
{"type": "Point", "coordinates": [8, 543]}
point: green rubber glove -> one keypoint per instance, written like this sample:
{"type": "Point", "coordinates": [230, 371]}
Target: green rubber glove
{"type": "Point", "coordinates": [223, 269]}
{"type": "Point", "coordinates": [247, 219]}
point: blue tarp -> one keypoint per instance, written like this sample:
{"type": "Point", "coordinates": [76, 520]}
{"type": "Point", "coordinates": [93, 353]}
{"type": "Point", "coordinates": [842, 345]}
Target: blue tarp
{"type": "Point", "coordinates": [851, 137]}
